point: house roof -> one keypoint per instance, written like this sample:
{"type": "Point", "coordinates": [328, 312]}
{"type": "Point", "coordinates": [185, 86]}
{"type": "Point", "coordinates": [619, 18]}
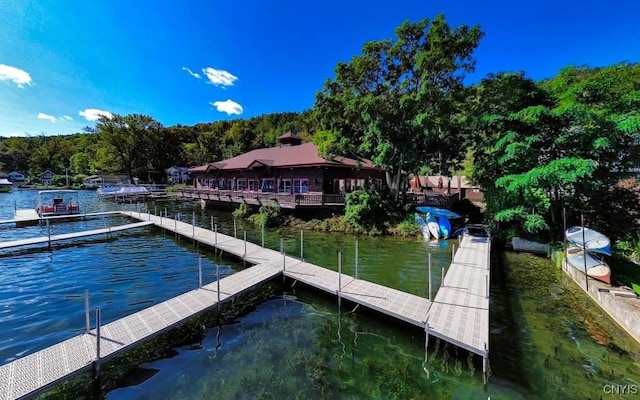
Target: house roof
{"type": "Point", "coordinates": [179, 169]}
{"type": "Point", "coordinates": [46, 172]}
{"type": "Point", "coordinates": [92, 177]}
{"type": "Point", "coordinates": [304, 155]}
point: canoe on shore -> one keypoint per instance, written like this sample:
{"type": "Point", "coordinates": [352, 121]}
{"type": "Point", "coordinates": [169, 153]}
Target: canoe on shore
{"type": "Point", "coordinates": [581, 260]}
{"type": "Point", "coordinates": [589, 239]}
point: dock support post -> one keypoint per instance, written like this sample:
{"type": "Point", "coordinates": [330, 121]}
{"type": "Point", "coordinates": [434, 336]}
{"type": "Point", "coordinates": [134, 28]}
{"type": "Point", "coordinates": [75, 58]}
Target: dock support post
{"type": "Point", "coordinates": [215, 234]}
{"type": "Point", "coordinates": [166, 212]}
{"type": "Point", "coordinates": [301, 245]}
{"type": "Point", "coordinates": [584, 254]}
{"type": "Point", "coordinates": [281, 245]}
{"type": "Point", "coordinates": [429, 277]}
{"type": "Point", "coordinates": [484, 365]}
{"type": "Point", "coordinates": [218, 278]}
{"type": "Point", "coordinates": [486, 284]}
{"type": "Point", "coordinates": [49, 232]}
{"type": "Point", "coordinates": [339, 278]}
{"type": "Point", "coordinates": [235, 230]}
{"type": "Point", "coordinates": [200, 272]}
{"type": "Point", "coordinates": [86, 310]}
{"type": "Point", "coordinates": [98, 322]}
{"type": "Point", "coordinates": [244, 255]}
{"type": "Point", "coordinates": [193, 226]}
{"type": "Point", "coordinates": [212, 222]}
{"type": "Point", "coordinates": [426, 343]}
{"type": "Point", "coordinates": [155, 210]}
{"type": "Point", "coordinates": [356, 266]}
{"type": "Point", "coordinates": [175, 225]}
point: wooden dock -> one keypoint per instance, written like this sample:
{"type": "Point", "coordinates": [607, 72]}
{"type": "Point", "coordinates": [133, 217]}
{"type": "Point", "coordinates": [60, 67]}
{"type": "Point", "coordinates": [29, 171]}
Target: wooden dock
{"type": "Point", "coordinates": [73, 235]}
{"type": "Point", "coordinates": [397, 304]}
{"type": "Point", "coordinates": [459, 313]}
{"type": "Point", "coordinates": [36, 372]}
{"type": "Point", "coordinates": [31, 216]}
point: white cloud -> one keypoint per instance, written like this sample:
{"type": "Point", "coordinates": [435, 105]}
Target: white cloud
{"type": "Point", "coordinates": [15, 134]}
{"type": "Point", "coordinates": [66, 117]}
{"type": "Point", "coordinates": [228, 106]}
{"type": "Point", "coordinates": [15, 75]}
{"type": "Point", "coordinates": [92, 114]}
{"type": "Point", "coordinates": [47, 117]}
{"type": "Point", "coordinates": [194, 74]}
{"type": "Point", "coordinates": [219, 77]}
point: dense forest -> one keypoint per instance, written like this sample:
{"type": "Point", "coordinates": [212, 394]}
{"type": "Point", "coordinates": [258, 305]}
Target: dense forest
{"type": "Point", "coordinates": [536, 148]}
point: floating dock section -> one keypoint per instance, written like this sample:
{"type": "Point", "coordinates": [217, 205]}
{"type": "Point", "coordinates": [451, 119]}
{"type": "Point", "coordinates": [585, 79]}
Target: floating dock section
{"type": "Point", "coordinates": [459, 313]}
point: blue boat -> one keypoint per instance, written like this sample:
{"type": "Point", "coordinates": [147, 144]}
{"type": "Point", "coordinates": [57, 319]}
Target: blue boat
{"type": "Point", "coordinates": [445, 226]}
{"type": "Point", "coordinates": [435, 211]}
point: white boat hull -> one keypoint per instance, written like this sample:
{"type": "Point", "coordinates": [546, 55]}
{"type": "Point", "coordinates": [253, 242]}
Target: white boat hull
{"type": "Point", "coordinates": [596, 268]}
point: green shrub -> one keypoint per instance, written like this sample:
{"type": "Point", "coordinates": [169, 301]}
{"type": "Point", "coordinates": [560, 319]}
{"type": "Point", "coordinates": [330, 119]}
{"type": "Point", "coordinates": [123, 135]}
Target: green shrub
{"type": "Point", "coordinates": [374, 210]}
{"type": "Point", "coordinates": [269, 215]}
{"type": "Point", "coordinates": [242, 211]}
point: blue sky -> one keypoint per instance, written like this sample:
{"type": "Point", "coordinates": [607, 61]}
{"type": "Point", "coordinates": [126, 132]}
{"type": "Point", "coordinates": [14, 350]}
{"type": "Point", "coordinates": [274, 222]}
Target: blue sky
{"type": "Point", "coordinates": [64, 62]}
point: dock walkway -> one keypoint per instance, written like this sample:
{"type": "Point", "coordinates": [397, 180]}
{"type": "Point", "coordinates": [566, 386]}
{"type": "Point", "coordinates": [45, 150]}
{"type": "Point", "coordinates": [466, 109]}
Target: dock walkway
{"type": "Point", "coordinates": [73, 235]}
{"type": "Point", "coordinates": [38, 371]}
{"type": "Point", "coordinates": [31, 216]}
{"type": "Point", "coordinates": [395, 303]}
{"type": "Point", "coordinates": [459, 313]}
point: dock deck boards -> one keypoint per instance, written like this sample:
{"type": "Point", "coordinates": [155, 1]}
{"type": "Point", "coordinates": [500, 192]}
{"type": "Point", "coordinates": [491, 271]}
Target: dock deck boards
{"type": "Point", "coordinates": [407, 307]}
{"type": "Point", "coordinates": [35, 372]}
{"type": "Point", "coordinates": [72, 235]}
{"type": "Point", "coordinates": [26, 216]}
{"type": "Point", "coordinates": [460, 311]}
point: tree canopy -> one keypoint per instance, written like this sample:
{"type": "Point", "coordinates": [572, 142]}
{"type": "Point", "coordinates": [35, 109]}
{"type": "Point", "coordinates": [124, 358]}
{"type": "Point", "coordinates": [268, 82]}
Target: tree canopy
{"type": "Point", "coordinates": [564, 142]}
{"type": "Point", "coordinates": [396, 102]}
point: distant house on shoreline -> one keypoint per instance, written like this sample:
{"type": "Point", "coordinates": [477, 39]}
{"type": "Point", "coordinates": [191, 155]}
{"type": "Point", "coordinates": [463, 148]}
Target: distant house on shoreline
{"type": "Point", "coordinates": [443, 184]}
{"type": "Point", "coordinates": [46, 178]}
{"type": "Point", "coordinates": [16, 176]}
{"type": "Point", "coordinates": [177, 175]}
{"type": "Point", "coordinates": [291, 168]}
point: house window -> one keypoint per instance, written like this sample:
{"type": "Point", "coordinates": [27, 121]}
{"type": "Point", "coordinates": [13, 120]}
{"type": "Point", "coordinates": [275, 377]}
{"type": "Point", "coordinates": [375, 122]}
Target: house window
{"type": "Point", "coordinates": [221, 184]}
{"type": "Point", "coordinates": [269, 185]}
{"type": "Point", "coordinates": [301, 185]}
{"type": "Point", "coordinates": [242, 184]}
{"type": "Point", "coordinates": [379, 184]}
{"type": "Point", "coordinates": [284, 186]}
{"type": "Point", "coordinates": [253, 185]}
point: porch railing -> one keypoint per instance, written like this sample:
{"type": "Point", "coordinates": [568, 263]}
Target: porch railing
{"type": "Point", "coordinates": [300, 199]}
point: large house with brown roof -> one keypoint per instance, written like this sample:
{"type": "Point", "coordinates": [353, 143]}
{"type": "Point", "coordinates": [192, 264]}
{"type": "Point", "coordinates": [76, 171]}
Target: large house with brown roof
{"type": "Point", "coordinates": [292, 174]}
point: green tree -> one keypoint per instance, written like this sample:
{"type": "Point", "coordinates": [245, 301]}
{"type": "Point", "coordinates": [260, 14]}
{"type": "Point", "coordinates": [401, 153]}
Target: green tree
{"type": "Point", "coordinates": [129, 136]}
{"type": "Point", "coordinates": [540, 147]}
{"type": "Point", "coordinates": [395, 103]}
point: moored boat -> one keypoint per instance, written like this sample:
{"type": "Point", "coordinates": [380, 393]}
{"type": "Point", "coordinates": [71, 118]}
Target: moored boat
{"type": "Point", "coordinates": [5, 185]}
{"type": "Point", "coordinates": [581, 260]}
{"type": "Point", "coordinates": [588, 239]}
{"type": "Point", "coordinates": [445, 226]}
{"type": "Point", "coordinates": [433, 226]}
{"type": "Point", "coordinates": [423, 226]}
{"type": "Point", "coordinates": [57, 202]}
